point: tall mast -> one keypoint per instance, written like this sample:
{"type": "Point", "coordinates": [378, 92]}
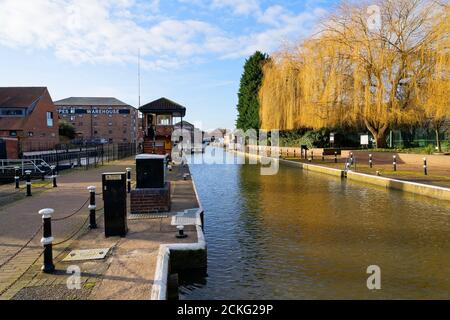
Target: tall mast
{"type": "Point", "coordinates": [139, 77]}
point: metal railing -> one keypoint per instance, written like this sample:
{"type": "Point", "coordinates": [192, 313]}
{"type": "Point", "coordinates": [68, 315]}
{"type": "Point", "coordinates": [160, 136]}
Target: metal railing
{"type": "Point", "coordinates": [35, 165]}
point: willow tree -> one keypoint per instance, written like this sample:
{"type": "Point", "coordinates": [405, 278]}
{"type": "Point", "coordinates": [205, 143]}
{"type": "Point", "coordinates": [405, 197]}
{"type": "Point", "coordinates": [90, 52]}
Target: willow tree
{"type": "Point", "coordinates": [433, 93]}
{"type": "Point", "coordinates": [355, 72]}
{"type": "Point", "coordinates": [387, 59]}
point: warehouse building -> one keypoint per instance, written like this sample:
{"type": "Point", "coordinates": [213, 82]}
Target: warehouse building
{"type": "Point", "coordinates": [100, 120]}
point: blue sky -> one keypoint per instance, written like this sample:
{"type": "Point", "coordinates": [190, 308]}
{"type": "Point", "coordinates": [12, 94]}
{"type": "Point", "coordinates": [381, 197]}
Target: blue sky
{"type": "Point", "coordinates": [192, 50]}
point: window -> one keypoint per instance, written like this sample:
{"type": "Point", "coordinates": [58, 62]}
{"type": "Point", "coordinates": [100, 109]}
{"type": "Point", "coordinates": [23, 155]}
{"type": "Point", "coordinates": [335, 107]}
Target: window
{"type": "Point", "coordinates": [72, 118]}
{"type": "Point", "coordinates": [13, 133]}
{"type": "Point", "coordinates": [49, 119]}
{"type": "Point", "coordinates": [30, 134]}
{"type": "Point", "coordinates": [12, 112]}
{"type": "Point", "coordinates": [110, 124]}
{"type": "Point", "coordinates": [164, 120]}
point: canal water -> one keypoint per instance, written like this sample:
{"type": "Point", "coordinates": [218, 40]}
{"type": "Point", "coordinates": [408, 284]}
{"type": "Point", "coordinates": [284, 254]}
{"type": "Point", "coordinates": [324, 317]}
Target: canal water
{"type": "Point", "coordinates": [303, 235]}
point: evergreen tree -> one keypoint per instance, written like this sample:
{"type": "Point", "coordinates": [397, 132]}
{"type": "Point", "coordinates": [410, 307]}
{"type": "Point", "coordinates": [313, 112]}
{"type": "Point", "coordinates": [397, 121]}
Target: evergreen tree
{"type": "Point", "coordinates": [251, 80]}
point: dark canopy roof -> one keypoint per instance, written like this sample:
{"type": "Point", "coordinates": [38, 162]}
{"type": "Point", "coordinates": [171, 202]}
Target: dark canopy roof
{"type": "Point", "coordinates": [164, 105]}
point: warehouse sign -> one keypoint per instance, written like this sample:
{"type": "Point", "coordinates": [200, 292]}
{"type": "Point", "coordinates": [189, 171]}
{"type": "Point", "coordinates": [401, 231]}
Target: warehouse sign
{"type": "Point", "coordinates": [93, 111]}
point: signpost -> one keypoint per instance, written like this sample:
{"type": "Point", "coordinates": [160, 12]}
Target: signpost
{"type": "Point", "coordinates": [365, 140]}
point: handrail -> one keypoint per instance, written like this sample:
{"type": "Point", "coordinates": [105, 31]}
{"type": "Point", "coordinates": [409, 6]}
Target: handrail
{"type": "Point", "coordinates": [24, 164]}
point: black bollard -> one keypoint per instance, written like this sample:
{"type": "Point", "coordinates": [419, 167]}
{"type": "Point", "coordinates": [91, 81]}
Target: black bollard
{"type": "Point", "coordinates": [351, 158]}
{"type": "Point", "coordinates": [181, 234]}
{"type": "Point", "coordinates": [394, 163]}
{"type": "Point", "coordinates": [370, 161]}
{"type": "Point", "coordinates": [335, 157]}
{"type": "Point", "coordinates": [17, 177]}
{"type": "Point", "coordinates": [28, 175]}
{"type": "Point", "coordinates": [129, 179]}
{"type": "Point", "coordinates": [47, 240]}
{"type": "Point", "coordinates": [55, 185]}
{"type": "Point", "coordinates": [425, 169]}
{"type": "Point", "coordinates": [312, 155]}
{"type": "Point", "coordinates": [92, 207]}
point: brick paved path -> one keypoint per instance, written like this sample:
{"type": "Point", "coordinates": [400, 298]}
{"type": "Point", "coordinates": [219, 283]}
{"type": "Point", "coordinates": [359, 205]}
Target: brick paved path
{"type": "Point", "coordinates": [20, 221]}
{"type": "Point", "coordinates": [128, 270]}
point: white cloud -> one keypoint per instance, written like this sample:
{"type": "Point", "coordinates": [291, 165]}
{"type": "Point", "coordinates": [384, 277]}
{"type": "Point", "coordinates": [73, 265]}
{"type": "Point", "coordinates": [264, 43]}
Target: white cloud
{"type": "Point", "coordinates": [244, 7]}
{"type": "Point", "coordinates": [111, 31]}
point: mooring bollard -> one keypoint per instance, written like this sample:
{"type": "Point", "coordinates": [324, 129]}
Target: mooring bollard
{"type": "Point", "coordinates": [181, 234]}
{"type": "Point", "coordinates": [47, 240]}
{"type": "Point", "coordinates": [129, 179]}
{"type": "Point", "coordinates": [425, 169]}
{"type": "Point", "coordinates": [394, 163]}
{"type": "Point", "coordinates": [16, 177]}
{"type": "Point", "coordinates": [335, 157]}
{"type": "Point", "coordinates": [92, 207]}
{"type": "Point", "coordinates": [370, 161]}
{"type": "Point", "coordinates": [28, 175]}
{"type": "Point", "coordinates": [55, 185]}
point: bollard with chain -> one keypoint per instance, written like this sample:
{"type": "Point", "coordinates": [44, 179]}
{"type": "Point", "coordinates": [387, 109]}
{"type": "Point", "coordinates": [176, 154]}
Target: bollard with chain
{"type": "Point", "coordinates": [47, 240]}
{"type": "Point", "coordinates": [129, 179]}
{"type": "Point", "coordinates": [394, 163]}
{"type": "Point", "coordinates": [54, 176]}
{"type": "Point", "coordinates": [92, 207]}
{"type": "Point", "coordinates": [370, 161]}
{"type": "Point", "coordinates": [16, 177]}
{"type": "Point", "coordinates": [425, 168]}
{"type": "Point", "coordinates": [28, 175]}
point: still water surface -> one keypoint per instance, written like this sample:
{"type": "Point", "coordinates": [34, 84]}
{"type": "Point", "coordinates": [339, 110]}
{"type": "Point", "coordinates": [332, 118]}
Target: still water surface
{"type": "Point", "coordinates": [300, 235]}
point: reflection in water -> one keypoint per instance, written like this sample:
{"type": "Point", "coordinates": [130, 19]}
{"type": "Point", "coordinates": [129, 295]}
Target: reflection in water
{"type": "Point", "coordinates": [300, 235]}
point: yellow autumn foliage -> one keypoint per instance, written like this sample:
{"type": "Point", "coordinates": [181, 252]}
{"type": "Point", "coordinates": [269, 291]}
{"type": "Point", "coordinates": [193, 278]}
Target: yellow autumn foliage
{"type": "Point", "coordinates": [353, 74]}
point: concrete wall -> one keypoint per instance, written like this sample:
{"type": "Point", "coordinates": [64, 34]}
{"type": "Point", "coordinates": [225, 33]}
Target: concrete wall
{"type": "Point", "coordinates": [412, 187]}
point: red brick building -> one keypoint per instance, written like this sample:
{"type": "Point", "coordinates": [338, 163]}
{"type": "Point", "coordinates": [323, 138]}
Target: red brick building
{"type": "Point", "coordinates": [28, 114]}
{"type": "Point", "coordinates": [100, 119]}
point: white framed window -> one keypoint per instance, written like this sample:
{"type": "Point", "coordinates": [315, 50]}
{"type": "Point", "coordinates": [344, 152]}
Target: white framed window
{"type": "Point", "coordinates": [164, 120]}
{"type": "Point", "coordinates": [49, 119]}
